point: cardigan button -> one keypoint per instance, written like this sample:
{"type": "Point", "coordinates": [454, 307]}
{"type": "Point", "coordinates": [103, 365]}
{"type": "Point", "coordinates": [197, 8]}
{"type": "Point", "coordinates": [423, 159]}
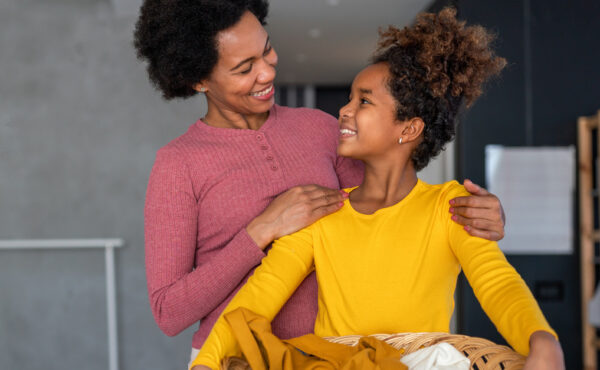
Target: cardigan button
{"type": "Point", "coordinates": [274, 168]}
{"type": "Point", "coordinates": [264, 147]}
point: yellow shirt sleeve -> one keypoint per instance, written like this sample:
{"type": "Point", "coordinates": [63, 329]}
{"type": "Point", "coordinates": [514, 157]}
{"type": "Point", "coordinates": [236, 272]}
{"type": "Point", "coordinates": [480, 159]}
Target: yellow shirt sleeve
{"type": "Point", "coordinates": [500, 290]}
{"type": "Point", "coordinates": [286, 265]}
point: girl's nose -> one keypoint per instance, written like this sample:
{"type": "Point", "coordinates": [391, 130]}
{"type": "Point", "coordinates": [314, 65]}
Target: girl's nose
{"type": "Point", "coordinates": [346, 111]}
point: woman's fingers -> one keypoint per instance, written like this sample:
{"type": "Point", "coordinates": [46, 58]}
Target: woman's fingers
{"type": "Point", "coordinates": [326, 197]}
{"type": "Point", "coordinates": [480, 198]}
{"type": "Point", "coordinates": [314, 196]}
{"type": "Point", "coordinates": [491, 230]}
{"type": "Point", "coordinates": [477, 213]}
{"type": "Point", "coordinates": [326, 201]}
{"type": "Point", "coordinates": [311, 197]}
{"type": "Point", "coordinates": [474, 189]}
{"type": "Point", "coordinates": [476, 223]}
{"type": "Point", "coordinates": [316, 192]}
{"type": "Point", "coordinates": [326, 210]}
{"type": "Point", "coordinates": [477, 201]}
{"type": "Point", "coordinates": [485, 234]}
{"type": "Point", "coordinates": [295, 209]}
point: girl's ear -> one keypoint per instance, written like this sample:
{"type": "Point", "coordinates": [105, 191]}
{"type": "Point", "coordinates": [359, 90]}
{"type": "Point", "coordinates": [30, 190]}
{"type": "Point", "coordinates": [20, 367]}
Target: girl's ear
{"type": "Point", "coordinates": [413, 128]}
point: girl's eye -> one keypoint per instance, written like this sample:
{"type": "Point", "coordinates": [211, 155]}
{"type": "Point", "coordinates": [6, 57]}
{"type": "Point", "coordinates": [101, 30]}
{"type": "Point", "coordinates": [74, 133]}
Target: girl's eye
{"type": "Point", "coordinates": [268, 50]}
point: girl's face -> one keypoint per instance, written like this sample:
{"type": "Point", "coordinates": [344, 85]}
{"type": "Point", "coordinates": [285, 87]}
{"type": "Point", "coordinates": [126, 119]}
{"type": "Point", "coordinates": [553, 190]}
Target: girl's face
{"type": "Point", "coordinates": [242, 80]}
{"type": "Point", "coordinates": [368, 124]}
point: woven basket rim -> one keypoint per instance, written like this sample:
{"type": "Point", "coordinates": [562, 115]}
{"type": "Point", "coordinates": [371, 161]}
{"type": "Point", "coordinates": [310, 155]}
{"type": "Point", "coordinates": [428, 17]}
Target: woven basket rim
{"type": "Point", "coordinates": [483, 353]}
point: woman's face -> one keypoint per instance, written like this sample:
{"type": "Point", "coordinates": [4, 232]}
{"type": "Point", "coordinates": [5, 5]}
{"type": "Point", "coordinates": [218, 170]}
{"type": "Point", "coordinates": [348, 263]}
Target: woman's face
{"type": "Point", "coordinates": [368, 124]}
{"type": "Point", "coordinates": [242, 80]}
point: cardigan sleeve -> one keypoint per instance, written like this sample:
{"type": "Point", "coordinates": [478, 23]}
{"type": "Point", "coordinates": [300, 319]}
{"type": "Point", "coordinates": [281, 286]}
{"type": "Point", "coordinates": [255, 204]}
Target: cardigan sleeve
{"type": "Point", "coordinates": [500, 290]}
{"type": "Point", "coordinates": [288, 262]}
{"type": "Point", "coordinates": [181, 291]}
{"type": "Point", "coordinates": [349, 172]}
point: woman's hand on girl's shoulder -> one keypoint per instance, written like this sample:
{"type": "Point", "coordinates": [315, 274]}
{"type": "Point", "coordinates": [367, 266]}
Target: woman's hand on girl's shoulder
{"type": "Point", "coordinates": [480, 213]}
{"type": "Point", "coordinates": [294, 210]}
{"type": "Point", "coordinates": [545, 353]}
{"type": "Point", "coordinates": [201, 367]}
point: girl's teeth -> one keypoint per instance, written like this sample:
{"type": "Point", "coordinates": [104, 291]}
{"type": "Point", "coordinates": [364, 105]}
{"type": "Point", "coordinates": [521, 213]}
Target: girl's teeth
{"type": "Point", "coordinates": [346, 131]}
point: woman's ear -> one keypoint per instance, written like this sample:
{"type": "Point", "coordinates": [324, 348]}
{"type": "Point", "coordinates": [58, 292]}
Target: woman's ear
{"type": "Point", "coordinates": [199, 87]}
{"type": "Point", "coordinates": [413, 128]}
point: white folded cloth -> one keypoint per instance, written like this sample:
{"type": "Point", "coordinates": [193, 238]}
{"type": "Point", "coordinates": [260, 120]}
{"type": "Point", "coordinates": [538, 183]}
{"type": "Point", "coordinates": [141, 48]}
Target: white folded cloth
{"type": "Point", "coordinates": [441, 356]}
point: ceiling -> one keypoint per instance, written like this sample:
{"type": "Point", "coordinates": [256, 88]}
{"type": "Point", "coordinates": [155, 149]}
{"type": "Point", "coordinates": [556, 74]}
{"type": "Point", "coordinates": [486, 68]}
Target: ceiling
{"type": "Point", "coordinates": [323, 42]}
{"type": "Point", "coordinates": [329, 41]}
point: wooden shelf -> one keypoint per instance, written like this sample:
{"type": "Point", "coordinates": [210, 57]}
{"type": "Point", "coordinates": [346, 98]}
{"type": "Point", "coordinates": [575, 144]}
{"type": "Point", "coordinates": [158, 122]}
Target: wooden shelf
{"type": "Point", "coordinates": [589, 236]}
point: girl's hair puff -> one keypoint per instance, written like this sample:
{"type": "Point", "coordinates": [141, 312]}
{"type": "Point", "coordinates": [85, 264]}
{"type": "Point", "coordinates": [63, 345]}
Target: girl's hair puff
{"type": "Point", "coordinates": [436, 65]}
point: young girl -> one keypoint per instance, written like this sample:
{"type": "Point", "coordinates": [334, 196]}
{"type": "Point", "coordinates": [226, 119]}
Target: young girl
{"type": "Point", "coordinates": [388, 261]}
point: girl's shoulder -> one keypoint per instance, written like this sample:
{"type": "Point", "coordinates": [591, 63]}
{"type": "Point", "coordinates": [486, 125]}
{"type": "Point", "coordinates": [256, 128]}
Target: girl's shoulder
{"type": "Point", "coordinates": [444, 192]}
{"type": "Point", "coordinates": [453, 188]}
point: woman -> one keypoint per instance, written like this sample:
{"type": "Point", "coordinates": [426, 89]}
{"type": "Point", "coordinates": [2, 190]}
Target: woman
{"type": "Point", "coordinates": [388, 261]}
{"type": "Point", "coordinates": [245, 174]}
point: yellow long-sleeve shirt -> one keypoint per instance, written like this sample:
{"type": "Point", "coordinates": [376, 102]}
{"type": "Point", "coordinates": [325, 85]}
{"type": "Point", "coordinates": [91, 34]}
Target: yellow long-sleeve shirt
{"type": "Point", "coordinates": [392, 271]}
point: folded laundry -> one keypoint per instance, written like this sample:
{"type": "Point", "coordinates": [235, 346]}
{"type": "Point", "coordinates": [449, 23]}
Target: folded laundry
{"type": "Point", "coordinates": [441, 356]}
{"type": "Point", "coordinates": [263, 350]}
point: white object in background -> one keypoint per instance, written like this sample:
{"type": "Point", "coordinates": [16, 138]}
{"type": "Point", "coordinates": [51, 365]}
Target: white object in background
{"type": "Point", "coordinates": [594, 309]}
{"type": "Point", "coordinates": [441, 356]}
{"type": "Point", "coordinates": [536, 186]}
{"type": "Point", "coordinates": [441, 168]}
{"type": "Point", "coordinates": [109, 260]}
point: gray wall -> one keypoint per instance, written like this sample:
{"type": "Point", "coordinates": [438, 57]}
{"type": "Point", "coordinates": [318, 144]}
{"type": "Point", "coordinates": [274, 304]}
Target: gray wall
{"type": "Point", "coordinates": [79, 127]}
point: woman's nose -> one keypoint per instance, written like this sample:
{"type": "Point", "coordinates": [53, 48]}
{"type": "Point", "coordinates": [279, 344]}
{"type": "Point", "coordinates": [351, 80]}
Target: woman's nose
{"type": "Point", "coordinates": [268, 70]}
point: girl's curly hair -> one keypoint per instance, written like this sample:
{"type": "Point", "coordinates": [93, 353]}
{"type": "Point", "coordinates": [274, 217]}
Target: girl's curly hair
{"type": "Point", "coordinates": [177, 38]}
{"type": "Point", "coordinates": [435, 66]}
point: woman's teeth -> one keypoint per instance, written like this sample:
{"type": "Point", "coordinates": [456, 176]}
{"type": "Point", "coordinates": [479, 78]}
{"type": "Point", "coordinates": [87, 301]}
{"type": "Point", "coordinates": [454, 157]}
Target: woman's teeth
{"type": "Point", "coordinates": [262, 93]}
{"type": "Point", "coordinates": [345, 131]}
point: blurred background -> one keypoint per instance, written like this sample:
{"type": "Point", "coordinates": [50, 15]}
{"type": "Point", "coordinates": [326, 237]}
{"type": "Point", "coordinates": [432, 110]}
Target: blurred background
{"type": "Point", "coordinates": [80, 125]}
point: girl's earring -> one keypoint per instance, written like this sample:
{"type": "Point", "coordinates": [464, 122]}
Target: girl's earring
{"type": "Point", "coordinates": [400, 141]}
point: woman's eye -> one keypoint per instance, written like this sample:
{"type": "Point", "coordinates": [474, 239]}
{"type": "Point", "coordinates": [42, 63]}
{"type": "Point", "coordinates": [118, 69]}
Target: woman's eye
{"type": "Point", "coordinates": [245, 72]}
{"type": "Point", "coordinates": [268, 50]}
{"type": "Point", "coordinates": [364, 101]}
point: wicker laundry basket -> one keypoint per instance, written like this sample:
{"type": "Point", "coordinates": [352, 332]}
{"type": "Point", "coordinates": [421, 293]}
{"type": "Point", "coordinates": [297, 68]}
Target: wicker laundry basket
{"type": "Point", "coordinates": [483, 354]}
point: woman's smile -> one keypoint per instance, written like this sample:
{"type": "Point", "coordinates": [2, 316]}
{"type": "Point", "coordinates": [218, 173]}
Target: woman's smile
{"type": "Point", "coordinates": [265, 94]}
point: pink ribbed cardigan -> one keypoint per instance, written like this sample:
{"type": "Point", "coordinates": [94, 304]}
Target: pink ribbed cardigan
{"type": "Point", "coordinates": [205, 187]}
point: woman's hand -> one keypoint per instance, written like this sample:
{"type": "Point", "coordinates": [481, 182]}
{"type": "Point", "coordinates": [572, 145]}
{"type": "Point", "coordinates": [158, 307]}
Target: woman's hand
{"type": "Point", "coordinates": [544, 353]}
{"type": "Point", "coordinates": [201, 367]}
{"type": "Point", "coordinates": [481, 213]}
{"type": "Point", "coordinates": [294, 210]}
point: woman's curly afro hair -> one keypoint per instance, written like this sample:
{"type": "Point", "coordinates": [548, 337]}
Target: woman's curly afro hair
{"type": "Point", "coordinates": [435, 66]}
{"type": "Point", "coordinates": [177, 38]}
